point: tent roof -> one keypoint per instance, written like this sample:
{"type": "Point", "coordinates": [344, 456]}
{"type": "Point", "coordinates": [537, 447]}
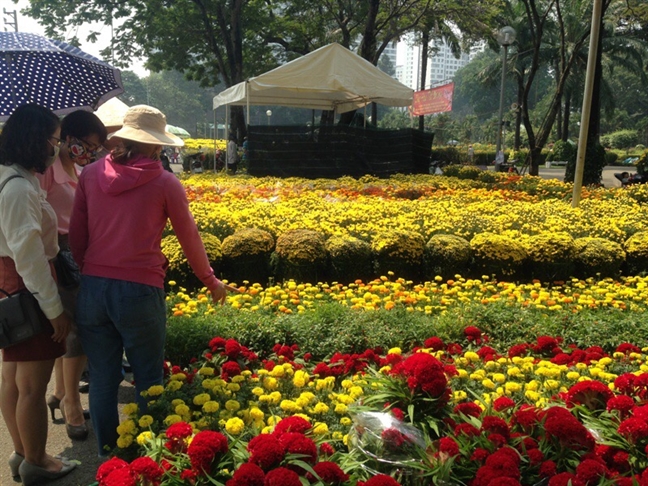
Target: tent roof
{"type": "Point", "coordinates": [329, 78]}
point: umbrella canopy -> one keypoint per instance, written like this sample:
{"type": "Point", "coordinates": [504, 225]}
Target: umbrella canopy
{"type": "Point", "coordinates": [180, 132]}
{"type": "Point", "coordinates": [53, 74]}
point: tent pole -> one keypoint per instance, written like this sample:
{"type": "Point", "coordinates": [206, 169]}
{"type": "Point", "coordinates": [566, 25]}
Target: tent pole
{"type": "Point", "coordinates": [364, 125]}
{"type": "Point", "coordinates": [215, 138]}
{"type": "Point", "coordinates": [247, 102]}
{"type": "Point", "coordinates": [226, 122]}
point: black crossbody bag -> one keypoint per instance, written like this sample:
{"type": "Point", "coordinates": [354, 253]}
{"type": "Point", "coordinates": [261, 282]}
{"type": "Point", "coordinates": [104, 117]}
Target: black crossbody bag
{"type": "Point", "coordinates": [20, 315]}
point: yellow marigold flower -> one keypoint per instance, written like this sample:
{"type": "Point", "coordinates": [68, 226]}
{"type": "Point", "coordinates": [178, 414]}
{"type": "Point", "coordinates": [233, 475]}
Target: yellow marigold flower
{"type": "Point", "coordinates": [463, 374]}
{"type": "Point", "coordinates": [385, 370]}
{"type": "Point", "coordinates": [532, 385]}
{"type": "Point", "coordinates": [268, 429]}
{"type": "Point", "coordinates": [258, 391]}
{"type": "Point", "coordinates": [320, 408]}
{"type": "Point", "coordinates": [155, 390]}
{"type": "Point", "coordinates": [232, 405]}
{"type": "Point", "coordinates": [337, 435]}
{"type": "Point", "coordinates": [176, 402]}
{"type": "Point", "coordinates": [275, 397]}
{"type": "Point", "coordinates": [256, 413]}
{"type": "Point", "coordinates": [206, 371]}
{"type": "Point", "coordinates": [145, 421]}
{"type": "Point", "coordinates": [395, 351]}
{"type": "Point", "coordinates": [289, 406]}
{"type": "Point", "coordinates": [346, 421]}
{"type": "Point", "coordinates": [320, 428]}
{"type": "Point", "coordinates": [278, 371]}
{"type": "Point", "coordinates": [183, 410]}
{"type": "Point", "coordinates": [126, 427]}
{"type": "Point", "coordinates": [201, 399]}
{"type": "Point", "coordinates": [210, 407]}
{"type": "Point", "coordinates": [234, 426]}
{"type": "Point", "coordinates": [173, 385]}
{"type": "Point", "coordinates": [145, 437]}
{"type": "Point", "coordinates": [532, 395]}
{"type": "Point", "coordinates": [300, 379]}
{"type": "Point", "coordinates": [512, 387]}
{"type": "Point", "coordinates": [573, 375]}
{"type": "Point", "coordinates": [551, 384]}
{"type": "Point", "coordinates": [346, 384]}
{"type": "Point", "coordinates": [234, 387]}
{"type": "Point", "coordinates": [460, 395]}
{"type": "Point", "coordinates": [499, 377]}
{"type": "Point", "coordinates": [356, 391]}
{"type": "Point", "coordinates": [124, 441]}
{"type": "Point", "coordinates": [238, 379]}
{"type": "Point", "coordinates": [270, 383]}
{"type": "Point", "coordinates": [345, 440]}
{"type": "Point", "coordinates": [471, 356]}
{"type": "Point", "coordinates": [341, 409]}
{"type": "Point", "coordinates": [208, 383]}
{"type": "Point", "coordinates": [179, 376]}
{"type": "Point", "coordinates": [172, 419]}
{"type": "Point", "coordinates": [273, 420]}
{"type": "Point", "coordinates": [303, 415]}
{"type": "Point", "coordinates": [130, 408]}
{"type": "Point", "coordinates": [487, 383]}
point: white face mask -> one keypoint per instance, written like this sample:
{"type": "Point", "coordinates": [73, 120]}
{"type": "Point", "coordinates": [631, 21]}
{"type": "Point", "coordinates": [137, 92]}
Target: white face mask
{"type": "Point", "coordinates": [52, 158]}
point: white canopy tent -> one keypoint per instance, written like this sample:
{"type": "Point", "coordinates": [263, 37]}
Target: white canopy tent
{"type": "Point", "coordinates": [330, 78]}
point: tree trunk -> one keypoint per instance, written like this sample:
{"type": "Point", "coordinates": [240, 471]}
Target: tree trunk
{"type": "Point", "coordinates": [518, 119]}
{"type": "Point", "coordinates": [425, 40]}
{"type": "Point", "coordinates": [564, 135]}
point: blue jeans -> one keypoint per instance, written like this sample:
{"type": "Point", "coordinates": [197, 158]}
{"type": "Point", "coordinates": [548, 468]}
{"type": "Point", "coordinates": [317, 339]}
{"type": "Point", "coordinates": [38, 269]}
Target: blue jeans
{"type": "Point", "coordinates": [114, 316]}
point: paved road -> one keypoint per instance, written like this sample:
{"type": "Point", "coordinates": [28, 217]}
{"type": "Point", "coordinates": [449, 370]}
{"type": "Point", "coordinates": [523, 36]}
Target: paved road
{"type": "Point", "coordinates": [608, 178]}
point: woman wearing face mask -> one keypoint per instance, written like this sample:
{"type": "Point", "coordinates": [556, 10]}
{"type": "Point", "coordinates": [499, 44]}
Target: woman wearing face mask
{"type": "Point", "coordinates": [29, 143]}
{"type": "Point", "coordinates": [82, 135]}
{"type": "Point", "coordinates": [121, 208]}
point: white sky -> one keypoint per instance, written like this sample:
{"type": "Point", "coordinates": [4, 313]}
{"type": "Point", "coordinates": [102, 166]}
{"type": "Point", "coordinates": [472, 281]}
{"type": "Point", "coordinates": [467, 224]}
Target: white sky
{"type": "Point", "coordinates": [27, 24]}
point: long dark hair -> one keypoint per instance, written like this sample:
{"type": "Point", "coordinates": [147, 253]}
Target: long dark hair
{"type": "Point", "coordinates": [24, 137]}
{"type": "Point", "coordinates": [81, 124]}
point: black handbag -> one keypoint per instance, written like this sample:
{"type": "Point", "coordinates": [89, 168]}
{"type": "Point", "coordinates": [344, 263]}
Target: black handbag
{"type": "Point", "coordinates": [20, 318]}
{"type": "Point", "coordinates": [68, 275]}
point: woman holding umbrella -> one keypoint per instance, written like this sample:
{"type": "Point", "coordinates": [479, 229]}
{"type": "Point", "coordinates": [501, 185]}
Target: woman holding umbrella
{"type": "Point", "coordinates": [121, 208]}
{"type": "Point", "coordinates": [29, 143]}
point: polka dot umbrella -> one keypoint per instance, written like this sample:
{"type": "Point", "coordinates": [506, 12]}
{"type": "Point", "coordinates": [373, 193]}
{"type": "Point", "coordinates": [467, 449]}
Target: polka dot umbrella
{"type": "Point", "coordinates": [53, 74]}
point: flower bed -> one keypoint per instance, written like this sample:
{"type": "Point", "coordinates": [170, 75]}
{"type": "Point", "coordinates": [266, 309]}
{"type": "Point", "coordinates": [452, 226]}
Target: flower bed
{"type": "Point", "coordinates": [448, 412]}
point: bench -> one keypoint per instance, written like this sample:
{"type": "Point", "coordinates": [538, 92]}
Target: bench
{"type": "Point", "coordinates": [559, 163]}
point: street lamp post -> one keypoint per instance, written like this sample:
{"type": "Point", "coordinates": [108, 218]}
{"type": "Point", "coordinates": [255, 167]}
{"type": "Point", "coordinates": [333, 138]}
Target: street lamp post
{"type": "Point", "coordinates": [269, 113]}
{"type": "Point", "coordinates": [505, 37]}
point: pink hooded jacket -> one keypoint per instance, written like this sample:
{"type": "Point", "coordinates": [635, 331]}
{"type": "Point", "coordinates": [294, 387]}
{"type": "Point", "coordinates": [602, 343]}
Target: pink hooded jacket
{"type": "Point", "coordinates": [119, 214]}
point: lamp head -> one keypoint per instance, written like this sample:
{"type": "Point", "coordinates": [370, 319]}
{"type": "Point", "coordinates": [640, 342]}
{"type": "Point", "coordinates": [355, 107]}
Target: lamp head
{"type": "Point", "coordinates": [506, 36]}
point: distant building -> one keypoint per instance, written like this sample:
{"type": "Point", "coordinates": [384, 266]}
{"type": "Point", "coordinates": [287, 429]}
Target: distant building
{"type": "Point", "coordinates": [441, 67]}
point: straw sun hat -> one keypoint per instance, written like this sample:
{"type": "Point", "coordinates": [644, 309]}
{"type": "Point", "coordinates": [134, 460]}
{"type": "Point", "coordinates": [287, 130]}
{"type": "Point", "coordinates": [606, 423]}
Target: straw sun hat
{"type": "Point", "coordinates": [145, 124]}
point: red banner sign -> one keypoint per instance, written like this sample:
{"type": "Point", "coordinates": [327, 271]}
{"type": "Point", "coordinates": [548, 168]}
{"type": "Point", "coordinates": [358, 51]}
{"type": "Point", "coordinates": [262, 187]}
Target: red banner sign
{"type": "Point", "coordinates": [434, 100]}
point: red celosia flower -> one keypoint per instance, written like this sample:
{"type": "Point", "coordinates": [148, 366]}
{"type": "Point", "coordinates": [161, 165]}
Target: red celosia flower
{"type": "Point", "coordinates": [217, 343]}
{"type": "Point", "coordinates": [109, 466]}
{"type": "Point", "coordinates": [545, 344]}
{"type": "Point", "coordinates": [292, 424]}
{"type": "Point", "coordinates": [504, 482]}
{"type": "Point", "coordinates": [641, 412]}
{"type": "Point", "coordinates": [296, 443]}
{"type": "Point", "coordinates": [527, 416]}
{"type": "Point", "coordinates": [449, 446]}
{"type": "Point", "coordinates": [189, 475]}
{"type": "Point", "coordinates": [205, 448]}
{"type": "Point", "coordinates": [590, 471]}
{"type": "Point", "coordinates": [633, 429]}
{"type": "Point", "coordinates": [502, 403]}
{"type": "Point", "coordinates": [471, 409]}
{"type": "Point", "coordinates": [232, 348]}
{"type": "Point", "coordinates": [535, 456]}
{"type": "Point", "coordinates": [424, 373]}
{"type": "Point", "coordinates": [565, 479]}
{"type": "Point", "coordinates": [398, 413]}
{"type": "Point", "coordinates": [465, 428]}
{"type": "Point", "coordinates": [393, 439]}
{"type": "Point", "coordinates": [201, 458]}
{"type": "Point", "coordinates": [473, 333]}
{"type": "Point", "coordinates": [454, 348]}
{"type": "Point", "coordinates": [247, 475]}
{"type": "Point", "coordinates": [591, 393]}
{"type": "Point", "coordinates": [479, 455]}
{"type": "Point", "coordinates": [518, 350]}
{"type": "Point", "coordinates": [330, 473]}
{"type": "Point", "coordinates": [547, 469]}
{"type": "Point", "coordinates": [561, 359]}
{"type": "Point", "coordinates": [120, 477]}
{"type": "Point", "coordinates": [382, 480]}
{"type": "Point", "coordinates": [627, 348]}
{"type": "Point", "coordinates": [495, 425]}
{"type": "Point", "coordinates": [622, 403]}
{"type": "Point", "coordinates": [229, 369]}
{"type": "Point", "coordinates": [213, 440]}
{"type": "Point", "coordinates": [266, 451]}
{"type": "Point", "coordinates": [323, 370]}
{"type": "Point", "coordinates": [562, 425]}
{"type": "Point", "coordinates": [147, 468]}
{"type": "Point", "coordinates": [326, 449]}
{"type": "Point", "coordinates": [180, 430]}
{"type": "Point", "coordinates": [434, 343]}
{"type": "Point", "coordinates": [282, 477]}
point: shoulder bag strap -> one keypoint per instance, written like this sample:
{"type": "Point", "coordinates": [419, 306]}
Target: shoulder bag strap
{"type": "Point", "coordinates": [4, 183]}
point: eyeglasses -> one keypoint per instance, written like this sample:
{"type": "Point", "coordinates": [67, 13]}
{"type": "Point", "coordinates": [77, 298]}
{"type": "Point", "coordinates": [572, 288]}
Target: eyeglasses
{"type": "Point", "coordinates": [87, 148]}
{"type": "Point", "coordinates": [58, 141]}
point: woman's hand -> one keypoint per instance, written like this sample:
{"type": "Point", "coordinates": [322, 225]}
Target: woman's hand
{"type": "Point", "coordinates": [61, 325]}
{"type": "Point", "coordinates": [219, 292]}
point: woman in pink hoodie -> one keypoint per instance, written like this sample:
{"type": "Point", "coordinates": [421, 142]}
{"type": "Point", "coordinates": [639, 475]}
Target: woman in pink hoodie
{"type": "Point", "coordinates": [121, 208]}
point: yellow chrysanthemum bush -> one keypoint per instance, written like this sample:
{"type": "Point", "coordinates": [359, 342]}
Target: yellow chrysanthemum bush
{"type": "Point", "coordinates": [636, 248]}
{"type": "Point", "coordinates": [179, 269]}
{"type": "Point", "coordinates": [498, 255]}
{"type": "Point", "coordinates": [447, 255]}
{"type": "Point", "coordinates": [598, 256]}
{"type": "Point", "coordinates": [400, 252]}
{"type": "Point", "coordinates": [349, 259]}
{"type": "Point", "coordinates": [246, 255]}
{"type": "Point", "coordinates": [550, 256]}
{"type": "Point", "coordinates": [300, 254]}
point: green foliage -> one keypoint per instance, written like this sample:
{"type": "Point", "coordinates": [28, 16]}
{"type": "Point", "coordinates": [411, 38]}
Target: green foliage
{"type": "Point", "coordinates": [551, 256]}
{"type": "Point", "coordinates": [598, 256]}
{"type": "Point", "coordinates": [622, 139]}
{"type": "Point", "coordinates": [563, 151]}
{"type": "Point", "coordinates": [446, 154]}
{"type": "Point", "coordinates": [447, 255]}
{"type": "Point", "coordinates": [300, 255]}
{"type": "Point", "coordinates": [611, 157]}
{"type": "Point", "coordinates": [349, 259]}
{"type": "Point", "coordinates": [469, 172]}
{"type": "Point", "coordinates": [332, 327]}
{"type": "Point", "coordinates": [497, 255]}
{"type": "Point", "coordinates": [636, 248]}
{"type": "Point", "coordinates": [400, 252]}
{"type": "Point", "coordinates": [246, 256]}
{"type": "Point", "coordinates": [179, 268]}
{"type": "Point", "coordinates": [594, 163]}
{"type": "Point", "coordinates": [642, 163]}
